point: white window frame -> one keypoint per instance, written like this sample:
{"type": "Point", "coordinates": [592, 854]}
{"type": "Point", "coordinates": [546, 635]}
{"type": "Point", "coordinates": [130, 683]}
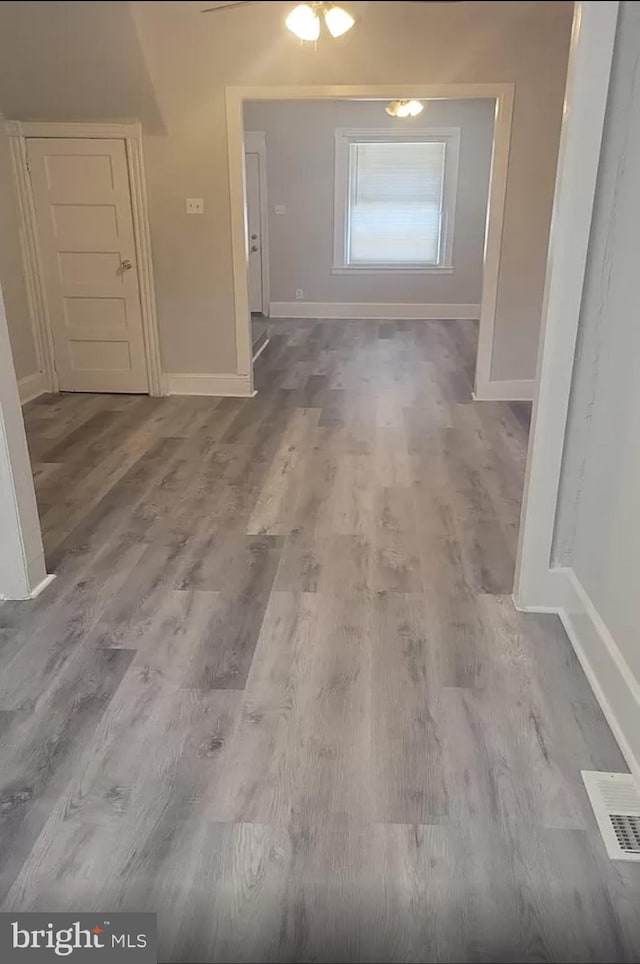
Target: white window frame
{"type": "Point", "coordinates": [344, 137]}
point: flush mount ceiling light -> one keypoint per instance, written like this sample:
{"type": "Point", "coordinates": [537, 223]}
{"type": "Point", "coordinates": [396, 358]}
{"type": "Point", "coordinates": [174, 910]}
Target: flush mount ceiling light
{"type": "Point", "coordinates": [304, 20]}
{"type": "Point", "coordinates": [404, 108]}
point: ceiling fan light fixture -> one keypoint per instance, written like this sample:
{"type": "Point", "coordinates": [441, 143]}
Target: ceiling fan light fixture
{"type": "Point", "coordinates": [338, 21]}
{"type": "Point", "coordinates": [404, 108]}
{"type": "Point", "coordinates": [304, 22]}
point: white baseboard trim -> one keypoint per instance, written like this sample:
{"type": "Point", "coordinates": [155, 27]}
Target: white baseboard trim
{"type": "Point", "coordinates": [237, 386]}
{"type": "Point", "coordinates": [42, 586]}
{"type": "Point", "coordinates": [365, 310]}
{"type": "Point", "coordinates": [610, 677]}
{"type": "Point", "coordinates": [615, 687]}
{"type": "Point", "coordinates": [261, 349]}
{"type": "Point", "coordinates": [31, 386]}
{"type": "Point", "coordinates": [509, 390]}
{"type": "Point", "coordinates": [547, 594]}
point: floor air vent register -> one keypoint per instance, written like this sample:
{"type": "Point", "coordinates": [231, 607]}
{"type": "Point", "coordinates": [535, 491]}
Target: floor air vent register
{"type": "Point", "coordinates": [616, 804]}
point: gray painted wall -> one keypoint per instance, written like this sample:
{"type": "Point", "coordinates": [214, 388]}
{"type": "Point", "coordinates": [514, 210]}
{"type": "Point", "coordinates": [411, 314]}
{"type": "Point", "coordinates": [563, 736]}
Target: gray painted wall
{"type": "Point", "coordinates": [598, 528]}
{"type": "Point", "coordinates": [300, 174]}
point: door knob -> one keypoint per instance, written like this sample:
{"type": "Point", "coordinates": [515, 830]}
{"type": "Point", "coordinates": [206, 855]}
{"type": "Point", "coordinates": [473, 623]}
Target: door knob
{"type": "Point", "coordinates": [126, 265]}
{"type": "Point", "coordinates": [254, 247]}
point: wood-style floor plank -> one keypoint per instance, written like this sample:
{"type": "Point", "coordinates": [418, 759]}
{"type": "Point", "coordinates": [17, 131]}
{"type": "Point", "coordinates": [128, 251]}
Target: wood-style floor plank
{"type": "Point", "coordinates": [279, 694]}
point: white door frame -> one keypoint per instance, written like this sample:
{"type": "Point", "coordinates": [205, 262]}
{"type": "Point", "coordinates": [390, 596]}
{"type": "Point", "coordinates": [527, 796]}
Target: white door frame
{"type": "Point", "coordinates": [503, 94]}
{"type": "Point", "coordinates": [255, 142]}
{"type": "Point", "coordinates": [131, 134]}
{"type": "Point", "coordinates": [23, 573]}
{"type": "Point", "coordinates": [539, 584]}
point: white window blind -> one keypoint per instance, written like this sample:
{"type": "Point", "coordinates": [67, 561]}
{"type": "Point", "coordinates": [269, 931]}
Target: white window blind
{"type": "Point", "coordinates": [395, 209]}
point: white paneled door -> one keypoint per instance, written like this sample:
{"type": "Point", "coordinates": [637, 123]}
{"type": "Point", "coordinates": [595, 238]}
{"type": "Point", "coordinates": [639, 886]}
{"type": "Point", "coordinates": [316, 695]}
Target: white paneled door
{"type": "Point", "coordinates": [86, 239]}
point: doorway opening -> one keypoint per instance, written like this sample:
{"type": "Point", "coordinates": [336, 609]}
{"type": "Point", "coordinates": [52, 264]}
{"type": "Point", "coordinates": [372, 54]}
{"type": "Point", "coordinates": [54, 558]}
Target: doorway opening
{"type": "Point", "coordinates": [240, 103]}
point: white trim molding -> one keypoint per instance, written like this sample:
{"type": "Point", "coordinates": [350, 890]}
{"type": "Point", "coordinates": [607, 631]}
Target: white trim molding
{"type": "Point", "coordinates": [383, 269]}
{"type": "Point", "coordinates": [503, 390]}
{"type": "Point", "coordinates": [40, 588]}
{"type": "Point", "coordinates": [344, 188]}
{"type": "Point", "coordinates": [389, 312]}
{"type": "Point", "coordinates": [493, 234]}
{"type": "Point", "coordinates": [262, 347]}
{"type": "Point", "coordinates": [38, 311]}
{"type": "Point", "coordinates": [234, 386]}
{"type": "Point", "coordinates": [589, 71]}
{"type": "Point", "coordinates": [31, 386]}
{"type": "Point", "coordinates": [614, 685]}
{"type": "Point", "coordinates": [610, 676]}
{"type": "Point", "coordinates": [503, 94]}
{"type": "Point", "coordinates": [109, 129]}
{"type": "Point", "coordinates": [22, 563]}
{"type": "Point", "coordinates": [131, 134]}
{"type": "Point", "coordinates": [255, 142]}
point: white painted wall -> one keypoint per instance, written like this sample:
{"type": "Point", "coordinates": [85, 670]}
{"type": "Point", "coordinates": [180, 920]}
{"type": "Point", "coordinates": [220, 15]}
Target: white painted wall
{"type": "Point", "coordinates": [300, 175]}
{"type": "Point", "coordinates": [598, 527]}
{"type": "Point", "coordinates": [22, 568]}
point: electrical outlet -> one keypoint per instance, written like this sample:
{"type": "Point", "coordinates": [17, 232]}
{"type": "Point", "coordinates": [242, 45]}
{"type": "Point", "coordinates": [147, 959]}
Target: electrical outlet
{"type": "Point", "coordinates": [280, 209]}
{"type": "Point", "coordinates": [299, 294]}
{"type": "Point", "coordinates": [195, 205]}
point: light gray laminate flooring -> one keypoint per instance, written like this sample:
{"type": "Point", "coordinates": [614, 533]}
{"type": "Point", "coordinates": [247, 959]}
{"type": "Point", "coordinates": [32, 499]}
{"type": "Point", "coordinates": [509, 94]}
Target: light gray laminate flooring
{"type": "Point", "coordinates": [279, 693]}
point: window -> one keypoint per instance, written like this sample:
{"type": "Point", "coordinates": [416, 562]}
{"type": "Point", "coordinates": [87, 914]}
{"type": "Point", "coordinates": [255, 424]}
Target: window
{"type": "Point", "coordinates": [395, 200]}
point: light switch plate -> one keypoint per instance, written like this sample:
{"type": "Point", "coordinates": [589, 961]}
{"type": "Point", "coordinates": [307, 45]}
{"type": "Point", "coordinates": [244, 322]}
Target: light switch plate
{"type": "Point", "coordinates": [195, 205]}
{"type": "Point", "coordinates": [280, 209]}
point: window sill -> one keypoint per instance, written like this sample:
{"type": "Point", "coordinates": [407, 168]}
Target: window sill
{"type": "Point", "coordinates": [390, 269]}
